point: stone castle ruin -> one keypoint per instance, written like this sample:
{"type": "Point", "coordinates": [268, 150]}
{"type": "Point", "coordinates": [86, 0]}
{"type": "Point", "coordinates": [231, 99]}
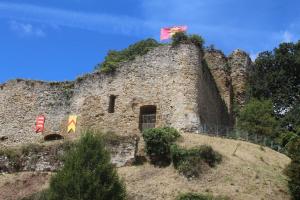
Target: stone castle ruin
{"type": "Point", "coordinates": [169, 86]}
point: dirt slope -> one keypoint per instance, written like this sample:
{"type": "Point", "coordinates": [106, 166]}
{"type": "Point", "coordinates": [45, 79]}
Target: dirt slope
{"type": "Point", "coordinates": [18, 185]}
{"type": "Point", "coordinates": [253, 173]}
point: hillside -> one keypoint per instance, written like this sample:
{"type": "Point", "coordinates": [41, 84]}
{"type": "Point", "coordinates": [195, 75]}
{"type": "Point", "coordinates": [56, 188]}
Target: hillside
{"type": "Point", "coordinates": [253, 173]}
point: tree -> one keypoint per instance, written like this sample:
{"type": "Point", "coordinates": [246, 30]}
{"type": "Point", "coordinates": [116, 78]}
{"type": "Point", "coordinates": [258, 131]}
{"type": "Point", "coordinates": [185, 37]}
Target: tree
{"type": "Point", "coordinates": [291, 120]}
{"type": "Point", "coordinates": [293, 170]}
{"type": "Point", "coordinates": [87, 173]}
{"type": "Point", "coordinates": [276, 75]}
{"type": "Point", "coordinates": [257, 117]}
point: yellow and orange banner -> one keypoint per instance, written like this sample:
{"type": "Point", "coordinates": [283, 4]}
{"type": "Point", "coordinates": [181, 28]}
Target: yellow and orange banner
{"type": "Point", "coordinates": [72, 123]}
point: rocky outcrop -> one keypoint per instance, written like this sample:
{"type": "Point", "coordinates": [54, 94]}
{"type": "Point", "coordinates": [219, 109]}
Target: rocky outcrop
{"type": "Point", "coordinates": [239, 63]}
{"type": "Point", "coordinates": [48, 157]}
{"type": "Point", "coordinates": [219, 68]}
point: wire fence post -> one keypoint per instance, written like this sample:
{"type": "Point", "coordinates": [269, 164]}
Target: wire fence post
{"type": "Point", "coordinates": [227, 132]}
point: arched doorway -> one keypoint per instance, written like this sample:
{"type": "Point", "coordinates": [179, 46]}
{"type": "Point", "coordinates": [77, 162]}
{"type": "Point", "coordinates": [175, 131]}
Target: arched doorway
{"type": "Point", "coordinates": [147, 117]}
{"type": "Point", "coordinates": [52, 137]}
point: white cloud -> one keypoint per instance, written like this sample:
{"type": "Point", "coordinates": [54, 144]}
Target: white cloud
{"type": "Point", "coordinates": [253, 56]}
{"type": "Point", "coordinates": [208, 18]}
{"type": "Point", "coordinates": [287, 36]}
{"type": "Point", "coordinates": [58, 17]}
{"type": "Point", "coordinates": [26, 29]}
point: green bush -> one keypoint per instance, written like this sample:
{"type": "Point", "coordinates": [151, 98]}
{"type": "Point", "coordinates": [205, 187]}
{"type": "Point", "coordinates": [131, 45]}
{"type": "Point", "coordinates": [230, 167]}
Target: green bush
{"type": "Point", "coordinates": [179, 38]}
{"type": "Point", "coordinates": [191, 162]}
{"type": "Point", "coordinates": [183, 38]}
{"type": "Point", "coordinates": [196, 196]}
{"type": "Point", "coordinates": [257, 117]}
{"type": "Point", "coordinates": [197, 40]}
{"type": "Point", "coordinates": [286, 138]}
{"type": "Point", "coordinates": [293, 170]}
{"type": "Point", "coordinates": [294, 149]}
{"type": "Point", "coordinates": [158, 142]}
{"type": "Point", "coordinates": [192, 167]}
{"type": "Point", "coordinates": [87, 173]}
{"type": "Point", "coordinates": [205, 152]}
{"type": "Point", "coordinates": [42, 195]}
{"type": "Point", "coordinates": [113, 58]}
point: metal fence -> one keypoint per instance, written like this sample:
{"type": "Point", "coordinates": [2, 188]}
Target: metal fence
{"type": "Point", "coordinates": [230, 133]}
{"type": "Point", "coordinates": [147, 121]}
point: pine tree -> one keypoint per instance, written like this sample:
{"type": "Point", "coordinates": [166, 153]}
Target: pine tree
{"type": "Point", "coordinates": [87, 173]}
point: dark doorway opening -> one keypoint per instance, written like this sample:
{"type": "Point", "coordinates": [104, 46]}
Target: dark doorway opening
{"type": "Point", "coordinates": [52, 137]}
{"type": "Point", "coordinates": [112, 102]}
{"type": "Point", "coordinates": [147, 117]}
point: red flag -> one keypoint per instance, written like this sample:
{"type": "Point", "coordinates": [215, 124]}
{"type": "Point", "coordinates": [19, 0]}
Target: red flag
{"type": "Point", "coordinates": [40, 124]}
{"type": "Point", "coordinates": [166, 33]}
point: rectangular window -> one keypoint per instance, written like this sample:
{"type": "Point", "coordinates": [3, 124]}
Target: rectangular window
{"type": "Point", "coordinates": [112, 101]}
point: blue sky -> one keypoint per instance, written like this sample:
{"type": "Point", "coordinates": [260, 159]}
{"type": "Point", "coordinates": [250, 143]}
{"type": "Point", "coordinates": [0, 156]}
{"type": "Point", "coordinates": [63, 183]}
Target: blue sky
{"type": "Point", "coordinates": [62, 39]}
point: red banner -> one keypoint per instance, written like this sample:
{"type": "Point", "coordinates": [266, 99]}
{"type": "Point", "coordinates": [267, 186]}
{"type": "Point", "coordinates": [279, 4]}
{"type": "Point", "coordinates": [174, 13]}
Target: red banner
{"type": "Point", "coordinates": [167, 33]}
{"type": "Point", "coordinates": [40, 124]}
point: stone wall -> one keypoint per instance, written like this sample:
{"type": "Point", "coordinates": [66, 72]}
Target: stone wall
{"type": "Point", "coordinates": [230, 75]}
{"type": "Point", "coordinates": [171, 78]}
{"type": "Point", "coordinates": [219, 68]}
{"type": "Point", "coordinates": [23, 100]}
{"type": "Point", "coordinates": [212, 108]}
{"type": "Point", "coordinates": [239, 62]}
{"type": "Point", "coordinates": [48, 157]}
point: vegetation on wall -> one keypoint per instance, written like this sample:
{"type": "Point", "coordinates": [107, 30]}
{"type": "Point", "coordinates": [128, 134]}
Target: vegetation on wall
{"type": "Point", "coordinates": [114, 58]}
{"type": "Point", "coordinates": [183, 38]}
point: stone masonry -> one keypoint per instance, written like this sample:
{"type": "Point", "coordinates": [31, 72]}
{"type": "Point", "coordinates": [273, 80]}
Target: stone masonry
{"type": "Point", "coordinates": [185, 91]}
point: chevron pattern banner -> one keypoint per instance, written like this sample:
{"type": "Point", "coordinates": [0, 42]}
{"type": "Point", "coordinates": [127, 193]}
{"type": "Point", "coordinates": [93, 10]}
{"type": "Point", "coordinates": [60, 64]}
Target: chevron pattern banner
{"type": "Point", "coordinates": [40, 124]}
{"type": "Point", "coordinates": [72, 123]}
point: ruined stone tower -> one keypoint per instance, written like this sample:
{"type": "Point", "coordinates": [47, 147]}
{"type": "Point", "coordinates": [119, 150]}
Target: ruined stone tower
{"type": "Point", "coordinates": [169, 86]}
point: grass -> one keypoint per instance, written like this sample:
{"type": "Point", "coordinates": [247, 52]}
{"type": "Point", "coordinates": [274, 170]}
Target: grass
{"type": "Point", "coordinates": [235, 177]}
{"type": "Point", "coordinates": [243, 176]}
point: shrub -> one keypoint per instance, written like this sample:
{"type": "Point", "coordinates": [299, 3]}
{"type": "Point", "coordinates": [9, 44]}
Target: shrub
{"type": "Point", "coordinates": [257, 117]}
{"type": "Point", "coordinates": [294, 148]}
{"type": "Point", "coordinates": [205, 152]}
{"type": "Point", "coordinates": [197, 40]}
{"type": "Point", "coordinates": [179, 38]}
{"type": "Point", "coordinates": [158, 142]}
{"type": "Point", "coordinates": [87, 173]}
{"type": "Point", "coordinates": [192, 167]}
{"type": "Point", "coordinates": [42, 195]}
{"type": "Point", "coordinates": [293, 170]}
{"type": "Point", "coordinates": [287, 137]}
{"type": "Point", "coordinates": [113, 57]}
{"type": "Point", "coordinates": [192, 162]}
{"type": "Point", "coordinates": [196, 196]}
